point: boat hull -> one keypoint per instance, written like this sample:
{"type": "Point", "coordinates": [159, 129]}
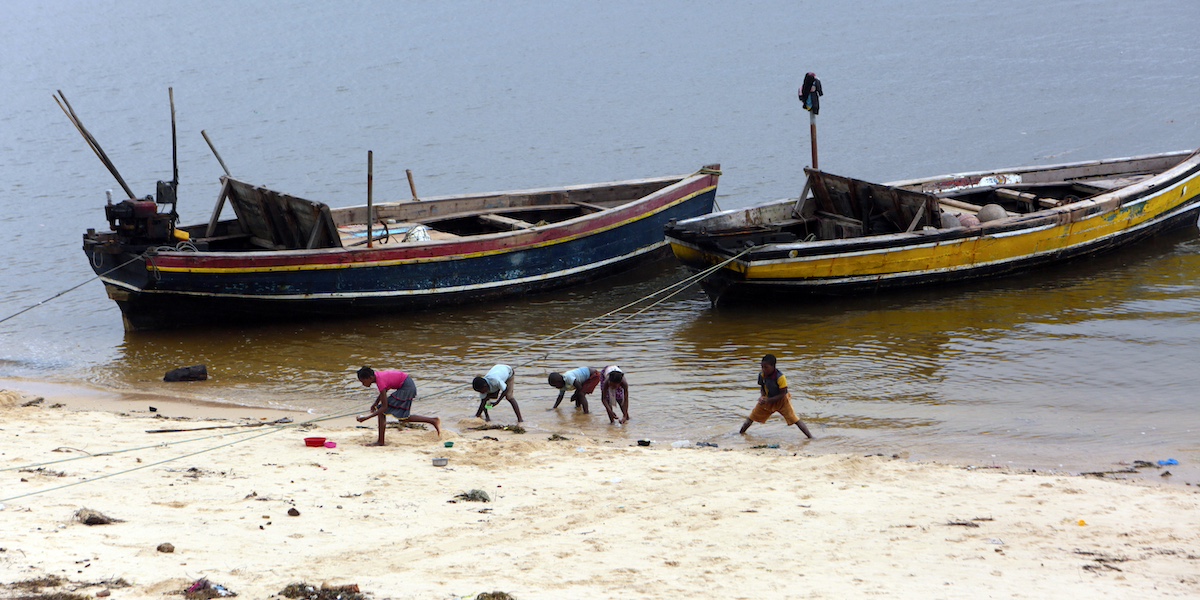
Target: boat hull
{"type": "Point", "coordinates": [872, 264]}
{"type": "Point", "coordinates": [171, 289]}
{"type": "Point", "coordinates": [148, 310]}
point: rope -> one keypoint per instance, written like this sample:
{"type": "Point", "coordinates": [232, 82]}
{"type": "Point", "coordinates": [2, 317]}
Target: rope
{"type": "Point", "coordinates": [126, 471]}
{"type": "Point", "coordinates": [273, 430]}
{"type": "Point", "coordinates": [681, 284]}
{"type": "Point", "coordinates": [696, 277]}
{"type": "Point", "coordinates": [71, 289]}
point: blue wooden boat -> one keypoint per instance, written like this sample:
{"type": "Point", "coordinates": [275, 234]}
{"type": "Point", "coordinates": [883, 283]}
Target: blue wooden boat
{"type": "Point", "coordinates": [284, 257]}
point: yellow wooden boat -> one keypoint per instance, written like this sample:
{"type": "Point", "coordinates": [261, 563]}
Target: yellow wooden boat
{"type": "Point", "coordinates": [846, 236]}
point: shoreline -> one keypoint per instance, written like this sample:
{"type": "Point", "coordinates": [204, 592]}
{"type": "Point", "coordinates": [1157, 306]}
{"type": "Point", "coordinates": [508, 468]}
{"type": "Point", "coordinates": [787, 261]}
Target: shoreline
{"type": "Point", "coordinates": [80, 397]}
{"type": "Point", "coordinates": [1134, 466]}
{"type": "Point", "coordinates": [573, 517]}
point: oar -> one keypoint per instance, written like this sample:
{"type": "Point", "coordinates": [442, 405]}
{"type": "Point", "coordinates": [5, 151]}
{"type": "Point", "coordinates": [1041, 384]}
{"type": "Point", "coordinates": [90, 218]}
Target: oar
{"type": "Point", "coordinates": [282, 421]}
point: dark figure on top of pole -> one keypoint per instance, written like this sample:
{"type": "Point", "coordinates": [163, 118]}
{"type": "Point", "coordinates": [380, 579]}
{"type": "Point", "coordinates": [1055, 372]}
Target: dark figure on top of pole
{"type": "Point", "coordinates": [810, 95]}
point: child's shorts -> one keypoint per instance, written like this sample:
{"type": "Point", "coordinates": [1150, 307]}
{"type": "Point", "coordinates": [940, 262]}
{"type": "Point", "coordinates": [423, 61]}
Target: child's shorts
{"type": "Point", "coordinates": [400, 401]}
{"type": "Point", "coordinates": [589, 386]}
{"type": "Point", "coordinates": [783, 406]}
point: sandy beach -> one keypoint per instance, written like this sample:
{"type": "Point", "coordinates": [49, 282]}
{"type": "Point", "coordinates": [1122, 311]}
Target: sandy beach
{"type": "Point", "coordinates": [254, 510]}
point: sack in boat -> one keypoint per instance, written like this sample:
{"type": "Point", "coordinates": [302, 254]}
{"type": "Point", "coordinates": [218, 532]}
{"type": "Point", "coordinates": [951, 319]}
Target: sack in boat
{"type": "Point", "coordinates": [419, 233]}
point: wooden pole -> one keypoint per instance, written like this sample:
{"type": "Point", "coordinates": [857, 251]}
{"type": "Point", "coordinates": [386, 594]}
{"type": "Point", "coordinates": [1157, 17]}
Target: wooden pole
{"type": "Point", "coordinates": [412, 186]}
{"type": "Point", "coordinates": [215, 153]}
{"type": "Point", "coordinates": [225, 190]}
{"type": "Point", "coordinates": [798, 209]}
{"type": "Point", "coordinates": [812, 131]}
{"type": "Point", "coordinates": [216, 216]}
{"type": "Point", "coordinates": [370, 200]}
{"type": "Point", "coordinates": [174, 144]}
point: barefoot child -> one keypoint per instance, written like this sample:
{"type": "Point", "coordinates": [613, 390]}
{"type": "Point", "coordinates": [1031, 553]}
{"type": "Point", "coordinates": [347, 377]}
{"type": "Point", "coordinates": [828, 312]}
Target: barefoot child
{"type": "Point", "coordinates": [614, 390]}
{"type": "Point", "coordinates": [774, 398]}
{"type": "Point", "coordinates": [496, 385]}
{"type": "Point", "coordinates": [398, 403]}
{"type": "Point", "coordinates": [582, 381]}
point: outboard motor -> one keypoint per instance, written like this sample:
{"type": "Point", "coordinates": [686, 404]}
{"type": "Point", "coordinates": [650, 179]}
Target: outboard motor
{"type": "Point", "coordinates": [139, 222]}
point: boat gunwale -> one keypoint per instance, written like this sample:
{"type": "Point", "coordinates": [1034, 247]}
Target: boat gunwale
{"type": "Point", "coordinates": [496, 242]}
{"type": "Point", "coordinates": [1186, 154]}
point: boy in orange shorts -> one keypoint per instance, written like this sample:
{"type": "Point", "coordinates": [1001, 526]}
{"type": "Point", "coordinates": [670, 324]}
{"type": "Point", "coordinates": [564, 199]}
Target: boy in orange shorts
{"type": "Point", "coordinates": [774, 399]}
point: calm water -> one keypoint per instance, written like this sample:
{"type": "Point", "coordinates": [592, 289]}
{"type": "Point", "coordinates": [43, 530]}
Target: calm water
{"type": "Point", "coordinates": [1080, 367]}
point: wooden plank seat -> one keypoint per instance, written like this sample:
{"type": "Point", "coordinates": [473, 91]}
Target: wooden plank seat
{"type": "Point", "coordinates": [355, 235]}
{"type": "Point", "coordinates": [1014, 195]}
{"type": "Point", "coordinates": [964, 207]}
{"type": "Point", "coordinates": [1033, 201]}
{"type": "Point", "coordinates": [506, 222]}
{"type": "Point", "coordinates": [589, 205]}
{"type": "Point", "coordinates": [959, 205]}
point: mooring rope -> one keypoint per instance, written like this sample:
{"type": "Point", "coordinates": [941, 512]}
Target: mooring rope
{"type": "Point", "coordinates": [130, 470]}
{"type": "Point", "coordinates": [273, 427]}
{"type": "Point", "coordinates": [272, 430]}
{"type": "Point", "coordinates": [681, 285]}
{"type": "Point", "coordinates": [71, 289]}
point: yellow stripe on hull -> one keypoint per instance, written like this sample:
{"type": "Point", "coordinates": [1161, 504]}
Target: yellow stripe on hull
{"type": "Point", "coordinates": [956, 254]}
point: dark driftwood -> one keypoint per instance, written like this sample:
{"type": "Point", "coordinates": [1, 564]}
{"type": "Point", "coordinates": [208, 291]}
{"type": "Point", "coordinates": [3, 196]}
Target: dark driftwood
{"type": "Point", "coordinates": [193, 373]}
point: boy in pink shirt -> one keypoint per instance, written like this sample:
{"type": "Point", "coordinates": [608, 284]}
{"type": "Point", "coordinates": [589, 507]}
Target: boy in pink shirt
{"type": "Point", "coordinates": [397, 404]}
